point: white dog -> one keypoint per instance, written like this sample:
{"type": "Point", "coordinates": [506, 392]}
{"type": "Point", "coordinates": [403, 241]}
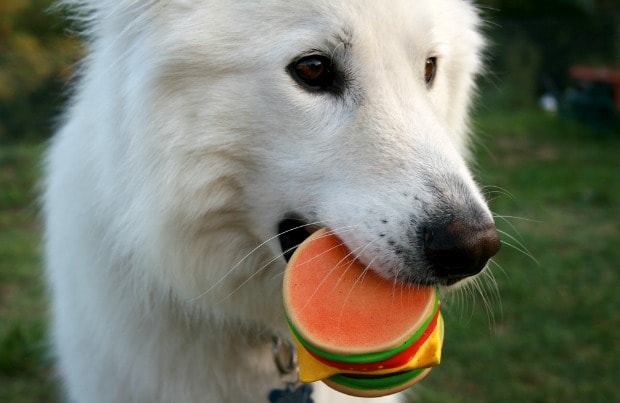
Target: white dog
{"type": "Point", "coordinates": [200, 131]}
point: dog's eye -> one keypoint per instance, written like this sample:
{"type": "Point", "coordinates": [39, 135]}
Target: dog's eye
{"type": "Point", "coordinates": [430, 69]}
{"type": "Point", "coordinates": [316, 73]}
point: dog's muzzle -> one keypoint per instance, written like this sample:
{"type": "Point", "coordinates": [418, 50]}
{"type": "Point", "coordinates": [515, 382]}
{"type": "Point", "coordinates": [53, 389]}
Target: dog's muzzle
{"type": "Point", "coordinates": [448, 251]}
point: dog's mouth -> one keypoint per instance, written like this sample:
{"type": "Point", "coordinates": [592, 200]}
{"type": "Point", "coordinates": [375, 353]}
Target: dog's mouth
{"type": "Point", "coordinates": [292, 231]}
{"type": "Point", "coordinates": [449, 255]}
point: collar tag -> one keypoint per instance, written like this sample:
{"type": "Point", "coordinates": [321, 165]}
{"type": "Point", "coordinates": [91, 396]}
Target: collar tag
{"type": "Point", "coordinates": [291, 394]}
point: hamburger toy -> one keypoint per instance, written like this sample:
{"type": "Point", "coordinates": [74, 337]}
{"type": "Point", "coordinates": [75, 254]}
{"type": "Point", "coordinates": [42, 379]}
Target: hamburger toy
{"type": "Point", "coordinates": [358, 332]}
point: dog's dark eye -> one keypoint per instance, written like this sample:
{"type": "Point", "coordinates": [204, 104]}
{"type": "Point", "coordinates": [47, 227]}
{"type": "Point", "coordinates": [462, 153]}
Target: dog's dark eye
{"type": "Point", "coordinates": [316, 73]}
{"type": "Point", "coordinates": [430, 69]}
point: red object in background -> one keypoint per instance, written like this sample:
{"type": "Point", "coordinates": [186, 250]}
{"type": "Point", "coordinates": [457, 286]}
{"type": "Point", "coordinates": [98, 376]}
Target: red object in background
{"type": "Point", "coordinates": [599, 75]}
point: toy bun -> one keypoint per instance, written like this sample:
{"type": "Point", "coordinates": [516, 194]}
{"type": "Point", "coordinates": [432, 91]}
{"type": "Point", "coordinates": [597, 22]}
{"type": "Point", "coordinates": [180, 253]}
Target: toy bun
{"type": "Point", "coordinates": [360, 333]}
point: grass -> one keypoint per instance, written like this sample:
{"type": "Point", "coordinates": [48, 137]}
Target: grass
{"type": "Point", "coordinates": [547, 335]}
{"type": "Point", "coordinates": [24, 365]}
{"type": "Point", "coordinates": [551, 334]}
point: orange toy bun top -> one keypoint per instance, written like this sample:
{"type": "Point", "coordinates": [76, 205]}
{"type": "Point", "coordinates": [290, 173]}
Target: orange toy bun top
{"type": "Point", "coordinates": [340, 306]}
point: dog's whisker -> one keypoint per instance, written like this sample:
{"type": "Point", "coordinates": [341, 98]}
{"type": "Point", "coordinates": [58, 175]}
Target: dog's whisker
{"type": "Point", "coordinates": [361, 276]}
{"type": "Point", "coordinates": [247, 280]}
{"type": "Point", "coordinates": [340, 229]}
{"type": "Point", "coordinates": [243, 259]}
{"type": "Point", "coordinates": [492, 199]}
{"type": "Point", "coordinates": [513, 238]}
{"type": "Point", "coordinates": [483, 287]}
{"type": "Point", "coordinates": [488, 305]}
{"type": "Point", "coordinates": [492, 281]}
{"type": "Point", "coordinates": [492, 189]}
{"type": "Point", "coordinates": [249, 254]}
{"type": "Point", "coordinates": [486, 287]}
{"type": "Point", "coordinates": [519, 247]}
{"type": "Point", "coordinates": [334, 268]}
{"type": "Point", "coordinates": [458, 299]}
{"type": "Point", "coordinates": [506, 217]}
{"type": "Point", "coordinates": [499, 267]}
{"type": "Point", "coordinates": [515, 241]}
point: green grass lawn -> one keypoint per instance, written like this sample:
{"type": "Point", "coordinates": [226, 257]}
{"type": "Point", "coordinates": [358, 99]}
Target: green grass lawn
{"type": "Point", "coordinates": [546, 333]}
{"type": "Point", "coordinates": [25, 367]}
{"type": "Point", "coordinates": [551, 335]}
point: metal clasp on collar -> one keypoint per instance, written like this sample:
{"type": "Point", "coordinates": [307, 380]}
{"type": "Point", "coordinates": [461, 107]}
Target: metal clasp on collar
{"type": "Point", "coordinates": [285, 357]}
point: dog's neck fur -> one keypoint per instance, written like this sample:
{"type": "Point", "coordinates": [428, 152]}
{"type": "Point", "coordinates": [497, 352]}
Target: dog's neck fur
{"type": "Point", "coordinates": [243, 352]}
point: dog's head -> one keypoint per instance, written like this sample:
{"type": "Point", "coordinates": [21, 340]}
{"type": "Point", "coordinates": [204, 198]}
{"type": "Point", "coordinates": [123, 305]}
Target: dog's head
{"type": "Point", "coordinates": [256, 118]}
{"type": "Point", "coordinates": [364, 131]}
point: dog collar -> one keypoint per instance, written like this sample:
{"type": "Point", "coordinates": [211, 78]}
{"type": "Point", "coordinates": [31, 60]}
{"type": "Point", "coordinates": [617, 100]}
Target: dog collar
{"type": "Point", "coordinates": [285, 358]}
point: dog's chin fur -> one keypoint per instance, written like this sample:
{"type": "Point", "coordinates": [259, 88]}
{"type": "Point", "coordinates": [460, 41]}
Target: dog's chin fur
{"type": "Point", "coordinates": [188, 142]}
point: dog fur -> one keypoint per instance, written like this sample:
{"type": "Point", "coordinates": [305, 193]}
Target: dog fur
{"type": "Point", "coordinates": [188, 141]}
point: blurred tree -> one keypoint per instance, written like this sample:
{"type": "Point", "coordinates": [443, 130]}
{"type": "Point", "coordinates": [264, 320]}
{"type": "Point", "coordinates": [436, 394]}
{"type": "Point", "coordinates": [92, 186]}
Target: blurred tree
{"type": "Point", "coordinates": [37, 53]}
{"type": "Point", "coordinates": [557, 8]}
{"type": "Point", "coordinates": [528, 8]}
{"type": "Point", "coordinates": [36, 57]}
{"type": "Point", "coordinates": [535, 43]}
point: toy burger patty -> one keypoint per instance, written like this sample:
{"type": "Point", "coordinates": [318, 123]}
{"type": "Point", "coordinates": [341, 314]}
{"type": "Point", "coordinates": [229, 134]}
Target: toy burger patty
{"type": "Point", "coordinates": [358, 332]}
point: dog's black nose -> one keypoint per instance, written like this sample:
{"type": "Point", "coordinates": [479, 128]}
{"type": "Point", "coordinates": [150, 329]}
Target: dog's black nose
{"type": "Point", "coordinates": [458, 249]}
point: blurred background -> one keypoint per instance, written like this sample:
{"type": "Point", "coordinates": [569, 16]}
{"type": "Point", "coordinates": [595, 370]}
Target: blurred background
{"type": "Point", "coordinates": [542, 327]}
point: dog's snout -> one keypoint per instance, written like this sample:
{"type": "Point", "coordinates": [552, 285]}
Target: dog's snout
{"type": "Point", "coordinates": [458, 249]}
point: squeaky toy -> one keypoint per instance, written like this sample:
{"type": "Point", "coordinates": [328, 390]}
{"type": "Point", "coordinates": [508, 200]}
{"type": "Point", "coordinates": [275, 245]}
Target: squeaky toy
{"type": "Point", "coordinates": [358, 332]}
